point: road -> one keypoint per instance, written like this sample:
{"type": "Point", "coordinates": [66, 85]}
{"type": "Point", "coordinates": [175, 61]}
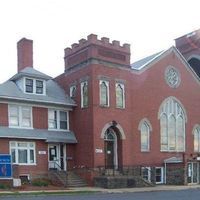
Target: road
{"type": "Point", "coordinates": [191, 194]}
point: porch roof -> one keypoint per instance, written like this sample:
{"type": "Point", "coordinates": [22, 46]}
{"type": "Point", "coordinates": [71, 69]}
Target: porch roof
{"type": "Point", "coordinates": [38, 134]}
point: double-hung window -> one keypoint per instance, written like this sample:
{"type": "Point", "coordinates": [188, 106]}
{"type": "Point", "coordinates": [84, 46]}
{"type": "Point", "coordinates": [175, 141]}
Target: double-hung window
{"type": "Point", "coordinates": [20, 116]}
{"type": "Point", "coordinates": [34, 86]}
{"type": "Point", "coordinates": [29, 85]}
{"type": "Point", "coordinates": [58, 119]}
{"type": "Point", "coordinates": [39, 87]}
{"type": "Point", "coordinates": [23, 152]}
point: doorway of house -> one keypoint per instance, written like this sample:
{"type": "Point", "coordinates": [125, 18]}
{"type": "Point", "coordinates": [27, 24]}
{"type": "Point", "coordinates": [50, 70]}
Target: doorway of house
{"type": "Point", "coordinates": [110, 143]}
{"type": "Point", "coordinates": [57, 155]}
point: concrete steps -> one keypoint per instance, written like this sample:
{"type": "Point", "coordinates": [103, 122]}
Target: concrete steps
{"type": "Point", "coordinates": [69, 179]}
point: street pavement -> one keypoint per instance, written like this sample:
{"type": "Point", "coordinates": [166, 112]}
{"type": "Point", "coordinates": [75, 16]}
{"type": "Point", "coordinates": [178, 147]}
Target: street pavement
{"type": "Point", "coordinates": [103, 190]}
{"type": "Point", "coordinates": [190, 193]}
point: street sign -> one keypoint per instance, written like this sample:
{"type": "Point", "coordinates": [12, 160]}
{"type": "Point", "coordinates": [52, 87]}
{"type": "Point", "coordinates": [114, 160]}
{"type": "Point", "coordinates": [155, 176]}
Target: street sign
{"type": "Point", "coordinates": [5, 166]}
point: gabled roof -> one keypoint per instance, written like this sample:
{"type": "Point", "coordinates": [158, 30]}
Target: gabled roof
{"type": "Point", "coordinates": [30, 72]}
{"type": "Point", "coordinates": [143, 62]}
{"type": "Point", "coordinates": [147, 62]}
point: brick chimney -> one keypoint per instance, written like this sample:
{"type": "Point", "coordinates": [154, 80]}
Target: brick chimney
{"type": "Point", "coordinates": [24, 53]}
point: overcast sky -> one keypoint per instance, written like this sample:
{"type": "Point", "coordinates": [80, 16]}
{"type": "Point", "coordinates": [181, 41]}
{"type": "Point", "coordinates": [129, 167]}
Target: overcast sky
{"type": "Point", "coordinates": [148, 25]}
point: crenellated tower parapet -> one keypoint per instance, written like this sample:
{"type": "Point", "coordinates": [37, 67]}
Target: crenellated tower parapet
{"type": "Point", "coordinates": [93, 48]}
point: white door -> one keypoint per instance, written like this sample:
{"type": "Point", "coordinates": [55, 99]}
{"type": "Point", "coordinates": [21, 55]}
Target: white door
{"type": "Point", "coordinates": [54, 156]}
{"type": "Point", "coordinates": [57, 156]}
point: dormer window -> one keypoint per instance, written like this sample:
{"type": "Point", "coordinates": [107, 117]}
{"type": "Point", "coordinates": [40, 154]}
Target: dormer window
{"type": "Point", "coordinates": [39, 87]}
{"type": "Point", "coordinates": [29, 85]}
{"type": "Point", "coordinates": [34, 86]}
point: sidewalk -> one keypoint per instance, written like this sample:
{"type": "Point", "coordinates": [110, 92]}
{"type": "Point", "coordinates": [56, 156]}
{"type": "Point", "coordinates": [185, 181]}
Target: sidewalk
{"type": "Point", "coordinates": [102, 190]}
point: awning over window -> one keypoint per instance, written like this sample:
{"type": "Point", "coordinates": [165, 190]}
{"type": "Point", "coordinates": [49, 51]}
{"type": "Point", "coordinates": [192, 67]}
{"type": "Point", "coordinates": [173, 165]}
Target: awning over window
{"type": "Point", "coordinates": [174, 160]}
{"type": "Point", "coordinates": [39, 134]}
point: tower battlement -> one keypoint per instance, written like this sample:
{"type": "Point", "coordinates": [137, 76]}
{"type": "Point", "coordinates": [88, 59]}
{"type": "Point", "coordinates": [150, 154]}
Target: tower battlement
{"type": "Point", "coordinates": [101, 49]}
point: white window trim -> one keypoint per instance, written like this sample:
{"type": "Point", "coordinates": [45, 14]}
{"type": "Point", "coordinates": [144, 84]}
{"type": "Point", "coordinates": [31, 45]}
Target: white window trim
{"type": "Point", "coordinates": [34, 86]}
{"type": "Point", "coordinates": [123, 88]}
{"type": "Point", "coordinates": [82, 84]}
{"type": "Point", "coordinates": [20, 116]}
{"type": "Point", "coordinates": [162, 175]}
{"type": "Point", "coordinates": [108, 93]}
{"type": "Point", "coordinates": [58, 120]}
{"type": "Point", "coordinates": [28, 155]}
{"type": "Point", "coordinates": [149, 173]}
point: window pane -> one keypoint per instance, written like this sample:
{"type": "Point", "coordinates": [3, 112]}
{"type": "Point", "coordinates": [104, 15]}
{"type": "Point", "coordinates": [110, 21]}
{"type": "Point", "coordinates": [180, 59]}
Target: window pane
{"type": "Point", "coordinates": [164, 136]}
{"type": "Point", "coordinates": [52, 119]}
{"type": "Point", "coordinates": [172, 133]}
{"type": "Point", "coordinates": [22, 156]}
{"type": "Point", "coordinates": [14, 115]}
{"type": "Point", "coordinates": [13, 155]}
{"type": "Point", "coordinates": [26, 117]}
{"type": "Point", "coordinates": [85, 94]}
{"type": "Point", "coordinates": [32, 156]}
{"type": "Point", "coordinates": [39, 87]}
{"type": "Point", "coordinates": [144, 137]}
{"type": "Point", "coordinates": [63, 120]}
{"type": "Point", "coordinates": [73, 91]}
{"type": "Point", "coordinates": [119, 96]}
{"type": "Point", "coordinates": [196, 140]}
{"type": "Point", "coordinates": [29, 85]}
{"type": "Point", "coordinates": [180, 134]}
{"type": "Point", "coordinates": [14, 121]}
{"type": "Point", "coordinates": [22, 144]}
{"type": "Point", "coordinates": [103, 94]}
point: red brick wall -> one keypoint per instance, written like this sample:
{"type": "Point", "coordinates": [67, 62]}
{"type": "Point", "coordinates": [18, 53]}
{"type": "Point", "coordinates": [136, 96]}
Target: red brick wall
{"type": "Point", "coordinates": [40, 117]}
{"type": "Point", "coordinates": [4, 114]}
{"type": "Point", "coordinates": [41, 166]}
{"type": "Point", "coordinates": [81, 119]}
{"type": "Point", "coordinates": [144, 94]}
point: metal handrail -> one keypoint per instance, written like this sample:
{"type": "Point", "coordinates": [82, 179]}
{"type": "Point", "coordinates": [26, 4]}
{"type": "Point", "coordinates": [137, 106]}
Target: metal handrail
{"type": "Point", "coordinates": [56, 165]}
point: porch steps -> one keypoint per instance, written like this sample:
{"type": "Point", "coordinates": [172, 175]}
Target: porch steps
{"type": "Point", "coordinates": [68, 180]}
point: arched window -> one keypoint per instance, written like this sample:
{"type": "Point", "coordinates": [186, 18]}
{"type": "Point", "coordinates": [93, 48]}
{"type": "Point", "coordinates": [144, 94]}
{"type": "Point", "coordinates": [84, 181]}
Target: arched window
{"type": "Point", "coordinates": [84, 94]}
{"type": "Point", "coordinates": [145, 128]}
{"type": "Point", "coordinates": [104, 93]}
{"type": "Point", "coordinates": [120, 101]}
{"type": "Point", "coordinates": [172, 125]}
{"type": "Point", "coordinates": [196, 133]}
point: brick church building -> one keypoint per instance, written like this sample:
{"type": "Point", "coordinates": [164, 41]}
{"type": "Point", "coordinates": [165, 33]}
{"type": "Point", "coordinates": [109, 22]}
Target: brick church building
{"type": "Point", "coordinates": [105, 117]}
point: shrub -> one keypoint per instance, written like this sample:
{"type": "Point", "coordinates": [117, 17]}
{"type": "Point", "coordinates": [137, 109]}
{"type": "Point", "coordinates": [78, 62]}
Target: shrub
{"type": "Point", "coordinates": [40, 182]}
{"type": "Point", "coordinates": [3, 186]}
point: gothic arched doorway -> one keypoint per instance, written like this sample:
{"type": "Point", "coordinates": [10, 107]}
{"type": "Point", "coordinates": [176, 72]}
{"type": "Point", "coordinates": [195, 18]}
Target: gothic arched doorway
{"type": "Point", "coordinates": [112, 148]}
